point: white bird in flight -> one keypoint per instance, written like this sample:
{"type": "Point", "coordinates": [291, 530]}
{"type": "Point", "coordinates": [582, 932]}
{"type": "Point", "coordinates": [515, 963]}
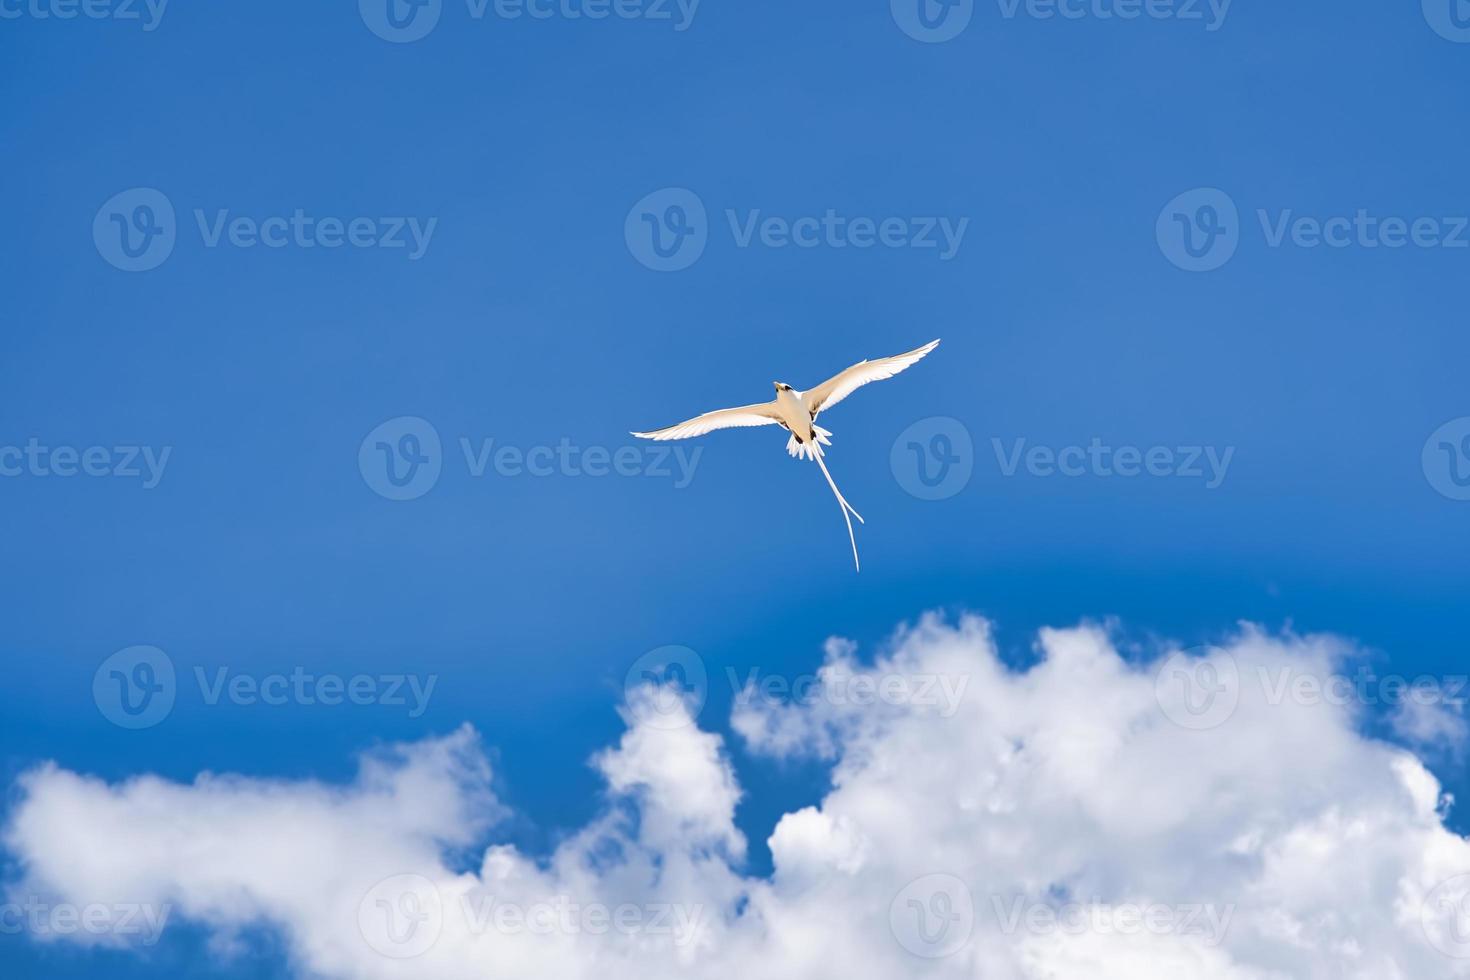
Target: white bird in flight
{"type": "Point", "coordinates": [796, 412]}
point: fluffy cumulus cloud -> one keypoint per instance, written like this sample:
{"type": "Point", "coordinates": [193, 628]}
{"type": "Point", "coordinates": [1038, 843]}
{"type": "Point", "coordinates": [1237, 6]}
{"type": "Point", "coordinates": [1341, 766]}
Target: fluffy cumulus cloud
{"type": "Point", "coordinates": [1201, 814]}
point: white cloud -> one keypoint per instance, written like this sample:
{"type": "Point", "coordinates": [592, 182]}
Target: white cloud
{"type": "Point", "coordinates": [1433, 719]}
{"type": "Point", "coordinates": [1085, 818]}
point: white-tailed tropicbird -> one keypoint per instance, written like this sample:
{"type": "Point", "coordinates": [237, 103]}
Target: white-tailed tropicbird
{"type": "Point", "coordinates": [796, 412]}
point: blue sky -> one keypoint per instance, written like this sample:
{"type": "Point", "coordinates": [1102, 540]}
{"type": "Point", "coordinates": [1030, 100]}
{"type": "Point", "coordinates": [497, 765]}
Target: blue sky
{"type": "Point", "coordinates": [529, 320]}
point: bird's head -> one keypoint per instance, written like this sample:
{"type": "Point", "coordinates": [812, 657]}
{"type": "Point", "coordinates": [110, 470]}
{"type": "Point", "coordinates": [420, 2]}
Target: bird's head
{"type": "Point", "coordinates": [781, 386]}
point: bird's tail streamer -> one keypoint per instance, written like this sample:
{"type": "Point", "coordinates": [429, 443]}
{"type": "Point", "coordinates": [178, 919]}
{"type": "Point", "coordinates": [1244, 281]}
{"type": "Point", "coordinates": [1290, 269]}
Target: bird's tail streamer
{"type": "Point", "coordinates": [847, 508]}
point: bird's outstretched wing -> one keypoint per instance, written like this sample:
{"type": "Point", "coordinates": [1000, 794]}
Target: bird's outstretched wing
{"type": "Point", "coordinates": [725, 418]}
{"type": "Point", "coordinates": [834, 389]}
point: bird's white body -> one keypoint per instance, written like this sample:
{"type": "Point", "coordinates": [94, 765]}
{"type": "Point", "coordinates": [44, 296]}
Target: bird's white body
{"type": "Point", "coordinates": [797, 417]}
{"type": "Point", "coordinates": [796, 412]}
